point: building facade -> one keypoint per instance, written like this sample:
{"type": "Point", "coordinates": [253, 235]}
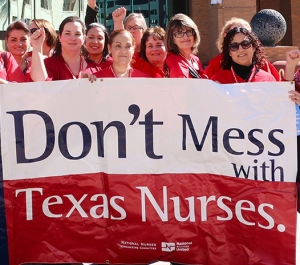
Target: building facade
{"type": "Point", "coordinates": [209, 15]}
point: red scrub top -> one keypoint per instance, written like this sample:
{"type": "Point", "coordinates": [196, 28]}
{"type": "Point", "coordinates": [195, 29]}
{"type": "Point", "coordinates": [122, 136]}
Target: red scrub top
{"type": "Point", "coordinates": [58, 69]}
{"type": "Point", "coordinates": [214, 67]}
{"type": "Point", "coordinates": [144, 66]}
{"type": "Point", "coordinates": [230, 77]}
{"type": "Point", "coordinates": [10, 70]}
{"type": "Point", "coordinates": [109, 72]}
{"type": "Point", "coordinates": [179, 66]}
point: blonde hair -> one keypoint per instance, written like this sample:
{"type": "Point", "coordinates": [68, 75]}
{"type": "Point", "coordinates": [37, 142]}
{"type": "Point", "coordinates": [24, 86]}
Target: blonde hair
{"type": "Point", "coordinates": [239, 22]}
{"type": "Point", "coordinates": [139, 17]}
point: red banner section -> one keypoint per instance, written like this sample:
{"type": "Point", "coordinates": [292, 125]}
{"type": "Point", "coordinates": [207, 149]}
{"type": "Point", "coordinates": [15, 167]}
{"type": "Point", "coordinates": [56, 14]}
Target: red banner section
{"type": "Point", "coordinates": [187, 218]}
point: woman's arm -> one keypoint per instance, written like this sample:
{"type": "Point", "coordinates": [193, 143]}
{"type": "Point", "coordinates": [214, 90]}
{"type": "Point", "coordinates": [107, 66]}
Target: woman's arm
{"type": "Point", "coordinates": [292, 59]}
{"type": "Point", "coordinates": [38, 70]}
{"type": "Point", "coordinates": [118, 16]}
{"type": "Point", "coordinates": [91, 13]}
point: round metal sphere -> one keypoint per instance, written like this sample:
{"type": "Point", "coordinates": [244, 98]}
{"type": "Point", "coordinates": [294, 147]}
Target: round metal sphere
{"type": "Point", "coordinates": [269, 26]}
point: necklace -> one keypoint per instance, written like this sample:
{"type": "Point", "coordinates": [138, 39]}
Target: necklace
{"type": "Point", "coordinates": [80, 68]}
{"type": "Point", "coordinates": [115, 75]}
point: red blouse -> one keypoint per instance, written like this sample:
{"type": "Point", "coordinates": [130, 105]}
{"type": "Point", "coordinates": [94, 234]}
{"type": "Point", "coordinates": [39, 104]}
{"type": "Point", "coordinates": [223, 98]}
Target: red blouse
{"type": "Point", "coordinates": [179, 66]}
{"type": "Point", "coordinates": [109, 72]}
{"type": "Point", "coordinates": [214, 67]}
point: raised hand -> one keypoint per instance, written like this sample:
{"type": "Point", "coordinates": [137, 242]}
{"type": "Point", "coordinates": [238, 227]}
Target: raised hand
{"type": "Point", "coordinates": [118, 16]}
{"type": "Point", "coordinates": [37, 38]}
{"type": "Point", "coordinates": [292, 59]}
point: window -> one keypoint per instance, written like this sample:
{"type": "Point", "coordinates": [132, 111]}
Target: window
{"type": "Point", "coordinates": [69, 5]}
{"type": "Point", "coordinates": [44, 4]}
{"type": "Point", "coordinates": [156, 12]}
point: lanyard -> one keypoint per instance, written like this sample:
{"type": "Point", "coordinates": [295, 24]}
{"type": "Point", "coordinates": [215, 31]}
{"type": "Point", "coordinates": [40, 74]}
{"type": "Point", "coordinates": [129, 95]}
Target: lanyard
{"type": "Point", "coordinates": [252, 74]}
{"type": "Point", "coordinates": [80, 69]}
{"type": "Point", "coordinates": [113, 71]}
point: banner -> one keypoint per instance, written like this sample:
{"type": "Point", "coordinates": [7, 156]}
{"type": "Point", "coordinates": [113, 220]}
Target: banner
{"type": "Point", "coordinates": [131, 171]}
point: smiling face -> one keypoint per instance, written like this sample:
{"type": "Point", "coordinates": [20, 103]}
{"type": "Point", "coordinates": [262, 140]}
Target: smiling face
{"type": "Point", "coordinates": [155, 51]}
{"type": "Point", "coordinates": [185, 43]}
{"type": "Point", "coordinates": [95, 41]}
{"type": "Point", "coordinates": [71, 38]}
{"type": "Point", "coordinates": [122, 49]}
{"type": "Point", "coordinates": [241, 56]}
{"type": "Point", "coordinates": [17, 42]}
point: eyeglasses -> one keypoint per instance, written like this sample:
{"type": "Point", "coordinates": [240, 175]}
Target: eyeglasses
{"type": "Point", "coordinates": [180, 34]}
{"type": "Point", "coordinates": [246, 44]}
{"type": "Point", "coordinates": [135, 28]}
{"type": "Point", "coordinates": [33, 30]}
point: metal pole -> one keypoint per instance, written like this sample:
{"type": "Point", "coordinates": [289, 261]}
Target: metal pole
{"type": "Point", "coordinates": [99, 13]}
{"type": "Point", "coordinates": [131, 4]}
{"type": "Point", "coordinates": [79, 3]}
{"type": "Point", "coordinates": [34, 12]}
{"type": "Point", "coordinates": [8, 11]}
{"type": "Point", "coordinates": [104, 12]}
{"type": "Point", "coordinates": [149, 12]}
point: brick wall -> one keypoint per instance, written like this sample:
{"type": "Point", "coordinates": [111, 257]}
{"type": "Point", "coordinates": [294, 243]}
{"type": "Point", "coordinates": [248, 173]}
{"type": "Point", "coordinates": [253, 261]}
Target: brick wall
{"type": "Point", "coordinates": [295, 13]}
{"type": "Point", "coordinates": [278, 53]}
{"type": "Point", "coordinates": [211, 18]}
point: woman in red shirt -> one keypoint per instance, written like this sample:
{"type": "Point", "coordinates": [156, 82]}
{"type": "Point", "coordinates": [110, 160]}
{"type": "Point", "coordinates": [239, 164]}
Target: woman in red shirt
{"type": "Point", "coordinates": [153, 53]}
{"type": "Point", "coordinates": [17, 41]}
{"type": "Point", "coordinates": [68, 61]}
{"type": "Point", "coordinates": [135, 23]}
{"type": "Point", "coordinates": [50, 36]}
{"type": "Point", "coordinates": [121, 49]}
{"type": "Point", "coordinates": [182, 41]}
{"type": "Point", "coordinates": [9, 69]}
{"type": "Point", "coordinates": [96, 42]}
{"type": "Point", "coordinates": [214, 64]}
{"type": "Point", "coordinates": [243, 57]}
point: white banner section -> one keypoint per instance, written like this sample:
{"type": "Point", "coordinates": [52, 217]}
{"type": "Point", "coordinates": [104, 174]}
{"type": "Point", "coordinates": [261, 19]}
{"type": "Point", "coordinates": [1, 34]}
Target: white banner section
{"type": "Point", "coordinates": [148, 126]}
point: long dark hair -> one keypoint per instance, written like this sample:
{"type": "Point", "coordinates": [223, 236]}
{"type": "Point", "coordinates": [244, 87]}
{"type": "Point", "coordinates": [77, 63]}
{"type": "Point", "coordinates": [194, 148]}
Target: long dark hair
{"type": "Point", "coordinates": [57, 49]}
{"type": "Point", "coordinates": [259, 55]}
{"type": "Point", "coordinates": [106, 37]}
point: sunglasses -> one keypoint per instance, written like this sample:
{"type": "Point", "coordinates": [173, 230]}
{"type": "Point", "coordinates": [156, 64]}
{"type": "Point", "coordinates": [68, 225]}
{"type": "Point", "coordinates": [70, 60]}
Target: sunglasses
{"type": "Point", "coordinates": [33, 30]}
{"type": "Point", "coordinates": [246, 44]}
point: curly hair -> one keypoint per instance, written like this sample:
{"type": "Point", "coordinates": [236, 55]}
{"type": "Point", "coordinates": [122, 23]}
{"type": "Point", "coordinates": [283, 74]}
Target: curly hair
{"type": "Point", "coordinates": [231, 23]}
{"type": "Point", "coordinates": [157, 32]}
{"type": "Point", "coordinates": [259, 55]}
